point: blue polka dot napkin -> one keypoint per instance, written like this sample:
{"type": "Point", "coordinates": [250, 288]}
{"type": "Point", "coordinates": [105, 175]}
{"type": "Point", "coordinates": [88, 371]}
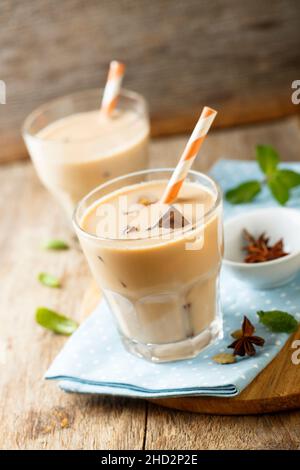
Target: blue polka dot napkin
{"type": "Point", "coordinates": [94, 360]}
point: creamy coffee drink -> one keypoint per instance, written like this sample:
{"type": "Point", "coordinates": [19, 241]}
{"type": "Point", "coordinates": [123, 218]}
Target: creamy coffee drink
{"type": "Point", "coordinates": [159, 274]}
{"type": "Point", "coordinates": [80, 150]}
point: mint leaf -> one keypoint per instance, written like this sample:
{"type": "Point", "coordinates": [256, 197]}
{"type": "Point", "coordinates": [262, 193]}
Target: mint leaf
{"type": "Point", "coordinates": [55, 245]}
{"type": "Point", "coordinates": [49, 280]}
{"type": "Point", "coordinates": [243, 193]}
{"type": "Point", "coordinates": [55, 321]}
{"type": "Point", "coordinates": [278, 189]}
{"type": "Point", "coordinates": [289, 178]}
{"type": "Point", "coordinates": [278, 321]}
{"type": "Point", "coordinates": [267, 158]}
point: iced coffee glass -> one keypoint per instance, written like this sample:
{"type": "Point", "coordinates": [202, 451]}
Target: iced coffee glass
{"type": "Point", "coordinates": [75, 148]}
{"type": "Point", "coordinates": [161, 285]}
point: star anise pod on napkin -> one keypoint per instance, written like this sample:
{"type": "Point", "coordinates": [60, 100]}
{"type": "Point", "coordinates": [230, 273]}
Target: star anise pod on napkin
{"type": "Point", "coordinates": [244, 344]}
{"type": "Point", "coordinates": [259, 249]}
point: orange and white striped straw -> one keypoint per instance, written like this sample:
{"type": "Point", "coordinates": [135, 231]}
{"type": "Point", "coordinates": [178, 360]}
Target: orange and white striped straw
{"type": "Point", "coordinates": [112, 87]}
{"type": "Point", "coordinates": [190, 152]}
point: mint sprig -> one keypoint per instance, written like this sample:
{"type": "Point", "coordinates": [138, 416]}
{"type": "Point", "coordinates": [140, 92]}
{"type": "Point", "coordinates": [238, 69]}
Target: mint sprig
{"type": "Point", "coordinates": [267, 158]}
{"type": "Point", "coordinates": [278, 189]}
{"type": "Point", "coordinates": [280, 181]}
{"type": "Point", "coordinates": [243, 193]}
{"type": "Point", "coordinates": [289, 178]}
{"type": "Point", "coordinates": [278, 321]}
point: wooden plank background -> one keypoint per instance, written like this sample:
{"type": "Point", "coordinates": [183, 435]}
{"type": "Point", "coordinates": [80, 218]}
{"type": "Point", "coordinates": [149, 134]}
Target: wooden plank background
{"type": "Point", "coordinates": [35, 414]}
{"type": "Point", "coordinates": [238, 56]}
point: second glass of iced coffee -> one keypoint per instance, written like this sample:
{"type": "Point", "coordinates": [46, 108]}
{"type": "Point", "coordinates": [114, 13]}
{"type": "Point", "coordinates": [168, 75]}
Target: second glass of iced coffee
{"type": "Point", "coordinates": [76, 145]}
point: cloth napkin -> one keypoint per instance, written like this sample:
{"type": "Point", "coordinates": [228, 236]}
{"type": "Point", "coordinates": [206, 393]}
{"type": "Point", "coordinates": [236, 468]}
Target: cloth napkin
{"type": "Point", "coordinates": [95, 361]}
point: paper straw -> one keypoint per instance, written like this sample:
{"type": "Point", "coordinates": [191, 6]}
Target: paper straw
{"type": "Point", "coordinates": [112, 87]}
{"type": "Point", "coordinates": [190, 152]}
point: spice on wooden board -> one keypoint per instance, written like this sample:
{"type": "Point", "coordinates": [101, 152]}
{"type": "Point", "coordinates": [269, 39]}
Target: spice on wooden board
{"type": "Point", "coordinates": [259, 250]}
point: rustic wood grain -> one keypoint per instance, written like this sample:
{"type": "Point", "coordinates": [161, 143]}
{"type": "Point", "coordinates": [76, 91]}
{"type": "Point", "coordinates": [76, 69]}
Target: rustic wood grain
{"type": "Point", "coordinates": [181, 430]}
{"type": "Point", "coordinates": [240, 57]}
{"type": "Point", "coordinates": [33, 411]}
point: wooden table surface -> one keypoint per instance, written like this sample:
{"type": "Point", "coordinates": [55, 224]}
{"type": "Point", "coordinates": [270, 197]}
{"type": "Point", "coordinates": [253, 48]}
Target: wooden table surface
{"type": "Point", "coordinates": [35, 414]}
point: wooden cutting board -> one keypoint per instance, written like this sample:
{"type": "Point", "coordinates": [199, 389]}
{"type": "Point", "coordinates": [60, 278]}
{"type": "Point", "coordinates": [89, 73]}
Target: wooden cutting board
{"type": "Point", "coordinates": [276, 388]}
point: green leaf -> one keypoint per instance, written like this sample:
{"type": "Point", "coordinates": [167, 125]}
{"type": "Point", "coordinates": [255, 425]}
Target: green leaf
{"type": "Point", "coordinates": [55, 245]}
{"type": "Point", "coordinates": [243, 193]}
{"type": "Point", "coordinates": [55, 321]}
{"type": "Point", "coordinates": [289, 178]}
{"type": "Point", "coordinates": [49, 280]}
{"type": "Point", "coordinates": [278, 189]}
{"type": "Point", "coordinates": [267, 158]}
{"type": "Point", "coordinates": [277, 321]}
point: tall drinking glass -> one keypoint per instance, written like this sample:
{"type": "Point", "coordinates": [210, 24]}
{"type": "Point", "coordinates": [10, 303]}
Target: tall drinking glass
{"type": "Point", "coordinates": [161, 286]}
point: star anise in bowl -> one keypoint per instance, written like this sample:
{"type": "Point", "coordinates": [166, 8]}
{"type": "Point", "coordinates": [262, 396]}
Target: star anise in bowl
{"type": "Point", "coordinates": [259, 249]}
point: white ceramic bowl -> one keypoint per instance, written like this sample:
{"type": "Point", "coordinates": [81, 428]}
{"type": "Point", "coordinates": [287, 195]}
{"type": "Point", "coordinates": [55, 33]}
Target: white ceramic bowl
{"type": "Point", "coordinates": [276, 223]}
